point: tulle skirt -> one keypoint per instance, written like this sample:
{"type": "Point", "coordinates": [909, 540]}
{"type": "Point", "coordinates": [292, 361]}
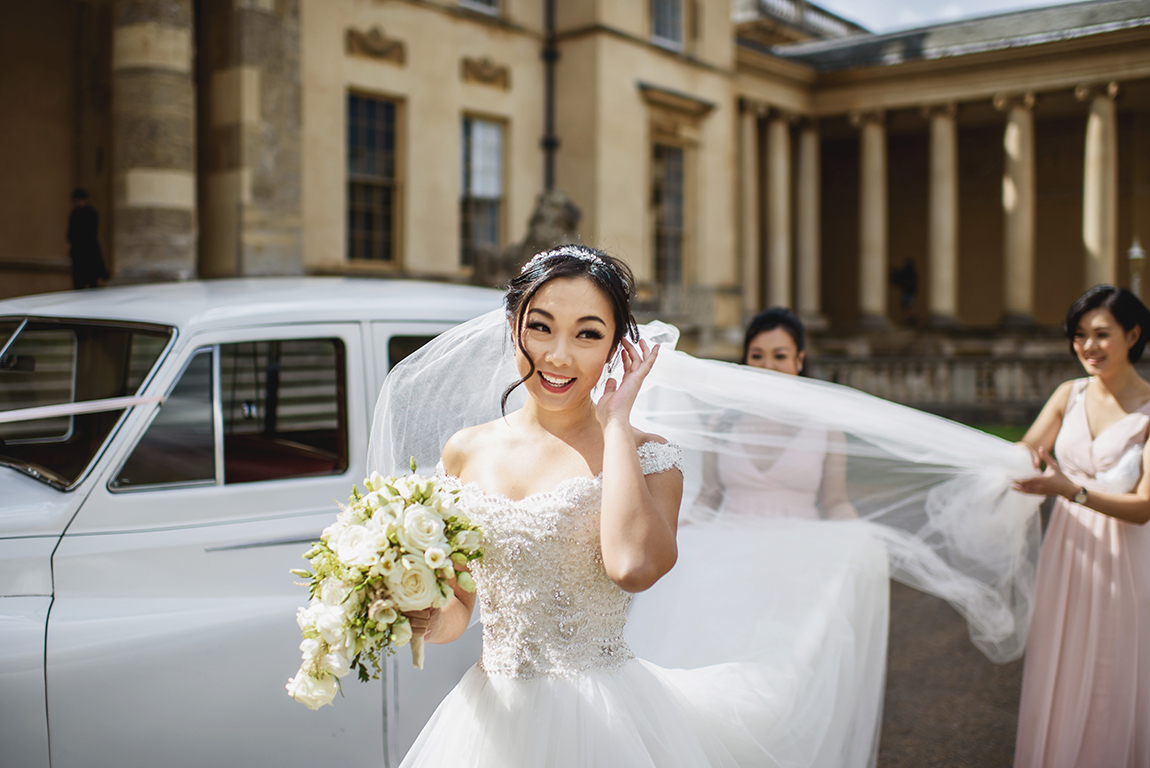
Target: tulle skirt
{"type": "Point", "coordinates": [765, 646]}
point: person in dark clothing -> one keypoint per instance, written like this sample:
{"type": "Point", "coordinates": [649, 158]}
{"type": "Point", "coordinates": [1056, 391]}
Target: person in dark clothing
{"type": "Point", "coordinates": [83, 227]}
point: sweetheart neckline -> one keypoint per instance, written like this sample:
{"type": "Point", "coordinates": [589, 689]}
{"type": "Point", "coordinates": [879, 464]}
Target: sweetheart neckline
{"type": "Point", "coordinates": [505, 498]}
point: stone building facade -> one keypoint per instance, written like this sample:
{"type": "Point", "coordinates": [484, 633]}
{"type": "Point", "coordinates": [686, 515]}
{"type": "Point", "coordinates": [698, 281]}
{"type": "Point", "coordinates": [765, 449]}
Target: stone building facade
{"type": "Point", "coordinates": [924, 193]}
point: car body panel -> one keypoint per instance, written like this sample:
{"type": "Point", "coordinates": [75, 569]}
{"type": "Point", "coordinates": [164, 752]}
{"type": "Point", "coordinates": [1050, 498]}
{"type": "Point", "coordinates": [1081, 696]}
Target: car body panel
{"type": "Point", "coordinates": [23, 713]}
{"type": "Point", "coordinates": [163, 619]}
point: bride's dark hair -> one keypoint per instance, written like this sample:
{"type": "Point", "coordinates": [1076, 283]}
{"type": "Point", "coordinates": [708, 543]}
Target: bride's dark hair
{"type": "Point", "coordinates": [609, 274]}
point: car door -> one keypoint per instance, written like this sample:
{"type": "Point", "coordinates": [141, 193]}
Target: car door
{"type": "Point", "coordinates": [415, 693]}
{"type": "Point", "coordinates": [172, 632]}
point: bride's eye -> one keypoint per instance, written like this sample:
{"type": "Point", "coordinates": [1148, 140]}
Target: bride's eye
{"type": "Point", "coordinates": [538, 326]}
{"type": "Point", "coordinates": [590, 333]}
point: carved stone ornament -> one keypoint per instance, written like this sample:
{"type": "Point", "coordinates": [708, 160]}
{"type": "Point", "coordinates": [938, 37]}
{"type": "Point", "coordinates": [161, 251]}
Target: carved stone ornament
{"type": "Point", "coordinates": [376, 45]}
{"type": "Point", "coordinates": [486, 72]}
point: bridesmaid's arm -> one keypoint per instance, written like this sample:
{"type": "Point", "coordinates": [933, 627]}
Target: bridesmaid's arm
{"type": "Point", "coordinates": [1128, 507]}
{"type": "Point", "coordinates": [1044, 430]}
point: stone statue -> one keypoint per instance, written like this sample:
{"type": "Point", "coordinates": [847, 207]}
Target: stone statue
{"type": "Point", "coordinates": [555, 221]}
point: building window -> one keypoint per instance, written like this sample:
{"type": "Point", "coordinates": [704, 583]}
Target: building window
{"type": "Point", "coordinates": [668, 199]}
{"type": "Point", "coordinates": [667, 22]}
{"type": "Point", "coordinates": [481, 185]}
{"type": "Point", "coordinates": [483, 6]}
{"type": "Point", "coordinates": [372, 188]}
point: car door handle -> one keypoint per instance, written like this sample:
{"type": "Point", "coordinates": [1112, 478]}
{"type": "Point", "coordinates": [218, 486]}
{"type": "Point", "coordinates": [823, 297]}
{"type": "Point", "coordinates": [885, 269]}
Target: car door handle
{"type": "Point", "coordinates": [267, 543]}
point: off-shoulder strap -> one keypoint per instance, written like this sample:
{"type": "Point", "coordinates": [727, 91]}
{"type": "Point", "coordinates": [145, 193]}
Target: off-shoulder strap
{"type": "Point", "coordinates": [657, 457]}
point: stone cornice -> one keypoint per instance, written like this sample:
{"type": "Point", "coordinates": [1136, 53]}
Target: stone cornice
{"type": "Point", "coordinates": [1059, 65]}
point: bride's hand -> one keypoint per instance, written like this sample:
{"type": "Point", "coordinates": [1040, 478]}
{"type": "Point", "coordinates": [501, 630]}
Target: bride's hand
{"type": "Point", "coordinates": [619, 396]}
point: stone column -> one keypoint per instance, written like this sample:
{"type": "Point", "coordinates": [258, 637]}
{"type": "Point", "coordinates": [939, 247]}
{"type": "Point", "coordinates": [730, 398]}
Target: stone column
{"type": "Point", "coordinates": [873, 268]}
{"type": "Point", "coordinates": [250, 65]}
{"type": "Point", "coordinates": [1100, 185]}
{"type": "Point", "coordinates": [943, 238]}
{"type": "Point", "coordinates": [808, 239]}
{"type": "Point", "coordinates": [778, 233]}
{"type": "Point", "coordinates": [750, 243]}
{"type": "Point", "coordinates": [1018, 207]}
{"type": "Point", "coordinates": [154, 141]}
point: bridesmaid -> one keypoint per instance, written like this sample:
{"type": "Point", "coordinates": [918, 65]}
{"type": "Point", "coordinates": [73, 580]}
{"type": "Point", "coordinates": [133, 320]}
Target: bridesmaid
{"type": "Point", "coordinates": [1086, 681]}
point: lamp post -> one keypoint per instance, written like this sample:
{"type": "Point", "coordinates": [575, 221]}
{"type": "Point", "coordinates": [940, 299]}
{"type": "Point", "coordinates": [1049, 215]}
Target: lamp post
{"type": "Point", "coordinates": [1137, 258]}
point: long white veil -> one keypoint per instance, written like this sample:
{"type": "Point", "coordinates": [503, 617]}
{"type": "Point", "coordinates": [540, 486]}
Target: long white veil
{"type": "Point", "coordinates": [935, 492]}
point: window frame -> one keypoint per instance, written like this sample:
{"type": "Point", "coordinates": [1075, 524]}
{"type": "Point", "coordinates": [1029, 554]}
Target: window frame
{"type": "Point", "coordinates": [494, 10]}
{"type": "Point", "coordinates": [677, 46]}
{"type": "Point", "coordinates": [397, 185]}
{"type": "Point", "coordinates": [219, 481]}
{"type": "Point", "coordinates": [504, 196]}
{"type": "Point", "coordinates": [686, 250]}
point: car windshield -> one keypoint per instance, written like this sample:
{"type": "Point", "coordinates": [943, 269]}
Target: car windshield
{"type": "Point", "coordinates": [58, 362]}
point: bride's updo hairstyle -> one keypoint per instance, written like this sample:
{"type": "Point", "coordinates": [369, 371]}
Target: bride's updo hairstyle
{"type": "Point", "coordinates": [1127, 309]}
{"type": "Point", "coordinates": [609, 274]}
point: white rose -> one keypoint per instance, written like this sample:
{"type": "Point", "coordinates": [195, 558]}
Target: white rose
{"type": "Point", "coordinates": [312, 649]}
{"type": "Point", "coordinates": [336, 662]}
{"type": "Point", "coordinates": [356, 546]}
{"type": "Point", "coordinates": [310, 691]}
{"type": "Point", "coordinates": [401, 632]}
{"type": "Point", "coordinates": [435, 557]}
{"type": "Point", "coordinates": [422, 528]}
{"type": "Point", "coordinates": [329, 622]}
{"type": "Point", "coordinates": [413, 585]}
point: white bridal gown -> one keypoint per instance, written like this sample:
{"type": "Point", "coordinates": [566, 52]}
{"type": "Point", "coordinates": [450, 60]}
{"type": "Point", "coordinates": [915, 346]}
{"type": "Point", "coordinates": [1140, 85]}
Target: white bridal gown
{"type": "Point", "coordinates": [557, 685]}
{"type": "Point", "coordinates": [800, 607]}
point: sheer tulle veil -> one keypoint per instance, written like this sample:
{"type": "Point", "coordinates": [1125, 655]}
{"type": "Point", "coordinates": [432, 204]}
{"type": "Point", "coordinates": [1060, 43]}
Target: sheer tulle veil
{"type": "Point", "coordinates": [935, 492]}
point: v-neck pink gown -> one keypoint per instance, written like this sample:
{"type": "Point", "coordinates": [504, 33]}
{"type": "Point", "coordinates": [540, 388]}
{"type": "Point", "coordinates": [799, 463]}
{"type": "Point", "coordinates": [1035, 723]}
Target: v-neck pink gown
{"type": "Point", "coordinates": [1086, 681]}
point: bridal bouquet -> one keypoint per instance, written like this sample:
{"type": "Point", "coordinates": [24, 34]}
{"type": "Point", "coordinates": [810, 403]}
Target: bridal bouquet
{"type": "Point", "coordinates": [391, 550]}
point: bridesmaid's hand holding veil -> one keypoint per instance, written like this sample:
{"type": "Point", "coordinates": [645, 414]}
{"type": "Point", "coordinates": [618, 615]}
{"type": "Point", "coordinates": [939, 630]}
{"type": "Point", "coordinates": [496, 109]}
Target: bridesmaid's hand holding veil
{"type": "Point", "coordinates": [619, 396]}
{"type": "Point", "coordinates": [1052, 482]}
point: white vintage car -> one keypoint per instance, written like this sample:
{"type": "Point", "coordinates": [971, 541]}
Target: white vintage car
{"type": "Point", "coordinates": [168, 452]}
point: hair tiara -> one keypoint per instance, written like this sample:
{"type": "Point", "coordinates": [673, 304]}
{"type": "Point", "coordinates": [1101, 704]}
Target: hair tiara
{"type": "Point", "coordinates": [577, 251]}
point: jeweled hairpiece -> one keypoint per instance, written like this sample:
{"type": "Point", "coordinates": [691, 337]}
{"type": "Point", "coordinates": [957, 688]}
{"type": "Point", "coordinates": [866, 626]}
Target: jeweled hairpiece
{"type": "Point", "coordinates": [579, 252]}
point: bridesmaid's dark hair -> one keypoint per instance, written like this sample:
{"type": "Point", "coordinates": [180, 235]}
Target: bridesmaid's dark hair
{"type": "Point", "coordinates": [1127, 309]}
{"type": "Point", "coordinates": [613, 277]}
{"type": "Point", "coordinates": [769, 320]}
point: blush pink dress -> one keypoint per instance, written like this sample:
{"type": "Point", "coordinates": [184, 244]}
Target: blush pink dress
{"type": "Point", "coordinates": [1086, 681]}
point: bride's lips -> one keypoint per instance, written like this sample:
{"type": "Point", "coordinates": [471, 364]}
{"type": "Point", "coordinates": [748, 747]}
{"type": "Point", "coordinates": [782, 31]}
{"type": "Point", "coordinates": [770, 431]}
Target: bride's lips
{"type": "Point", "coordinates": [548, 379]}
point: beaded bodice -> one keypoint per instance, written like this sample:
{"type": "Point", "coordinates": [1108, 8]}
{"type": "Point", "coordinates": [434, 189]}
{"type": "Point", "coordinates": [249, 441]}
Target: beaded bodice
{"type": "Point", "coordinates": [547, 604]}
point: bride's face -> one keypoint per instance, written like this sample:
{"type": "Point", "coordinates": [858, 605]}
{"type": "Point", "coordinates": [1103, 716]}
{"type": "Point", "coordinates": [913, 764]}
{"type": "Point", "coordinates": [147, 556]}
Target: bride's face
{"type": "Point", "coordinates": [567, 330]}
{"type": "Point", "coordinates": [775, 350]}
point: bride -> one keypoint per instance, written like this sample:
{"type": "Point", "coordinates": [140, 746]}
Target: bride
{"type": "Point", "coordinates": [579, 510]}
{"type": "Point", "coordinates": [580, 499]}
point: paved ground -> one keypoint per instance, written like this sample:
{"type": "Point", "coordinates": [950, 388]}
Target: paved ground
{"type": "Point", "coordinates": [946, 703]}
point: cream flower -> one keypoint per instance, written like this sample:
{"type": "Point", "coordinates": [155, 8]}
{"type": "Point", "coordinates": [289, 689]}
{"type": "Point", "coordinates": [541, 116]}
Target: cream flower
{"type": "Point", "coordinates": [311, 691]}
{"type": "Point", "coordinates": [422, 528]}
{"type": "Point", "coordinates": [435, 557]}
{"type": "Point", "coordinates": [401, 632]}
{"type": "Point", "coordinates": [413, 585]}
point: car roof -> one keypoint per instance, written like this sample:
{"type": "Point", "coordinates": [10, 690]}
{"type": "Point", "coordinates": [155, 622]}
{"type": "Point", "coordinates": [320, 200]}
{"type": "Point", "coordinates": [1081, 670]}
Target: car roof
{"type": "Point", "coordinates": [203, 304]}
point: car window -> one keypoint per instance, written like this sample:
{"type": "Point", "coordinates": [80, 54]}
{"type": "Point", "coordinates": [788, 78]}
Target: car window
{"type": "Point", "coordinates": [283, 414]}
{"type": "Point", "coordinates": [178, 447]}
{"type": "Point", "coordinates": [284, 409]}
{"type": "Point", "coordinates": [56, 362]}
{"type": "Point", "coordinates": [399, 347]}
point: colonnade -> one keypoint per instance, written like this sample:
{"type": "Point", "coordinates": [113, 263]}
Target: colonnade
{"type": "Point", "coordinates": [776, 239]}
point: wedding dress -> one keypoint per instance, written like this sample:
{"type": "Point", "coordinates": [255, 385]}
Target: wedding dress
{"type": "Point", "coordinates": [817, 624]}
{"type": "Point", "coordinates": [764, 645]}
{"type": "Point", "coordinates": [557, 684]}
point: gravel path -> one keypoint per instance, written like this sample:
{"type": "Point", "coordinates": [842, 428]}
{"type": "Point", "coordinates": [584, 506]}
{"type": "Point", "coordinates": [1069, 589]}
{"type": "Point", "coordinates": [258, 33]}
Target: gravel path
{"type": "Point", "coordinates": [946, 703]}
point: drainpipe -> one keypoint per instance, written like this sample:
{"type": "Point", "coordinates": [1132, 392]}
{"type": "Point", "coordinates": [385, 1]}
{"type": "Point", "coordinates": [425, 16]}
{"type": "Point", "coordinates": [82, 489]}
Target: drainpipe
{"type": "Point", "coordinates": [549, 142]}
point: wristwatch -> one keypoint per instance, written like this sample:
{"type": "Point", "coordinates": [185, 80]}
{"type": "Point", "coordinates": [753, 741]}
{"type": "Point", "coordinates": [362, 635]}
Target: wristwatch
{"type": "Point", "coordinates": [1080, 497]}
